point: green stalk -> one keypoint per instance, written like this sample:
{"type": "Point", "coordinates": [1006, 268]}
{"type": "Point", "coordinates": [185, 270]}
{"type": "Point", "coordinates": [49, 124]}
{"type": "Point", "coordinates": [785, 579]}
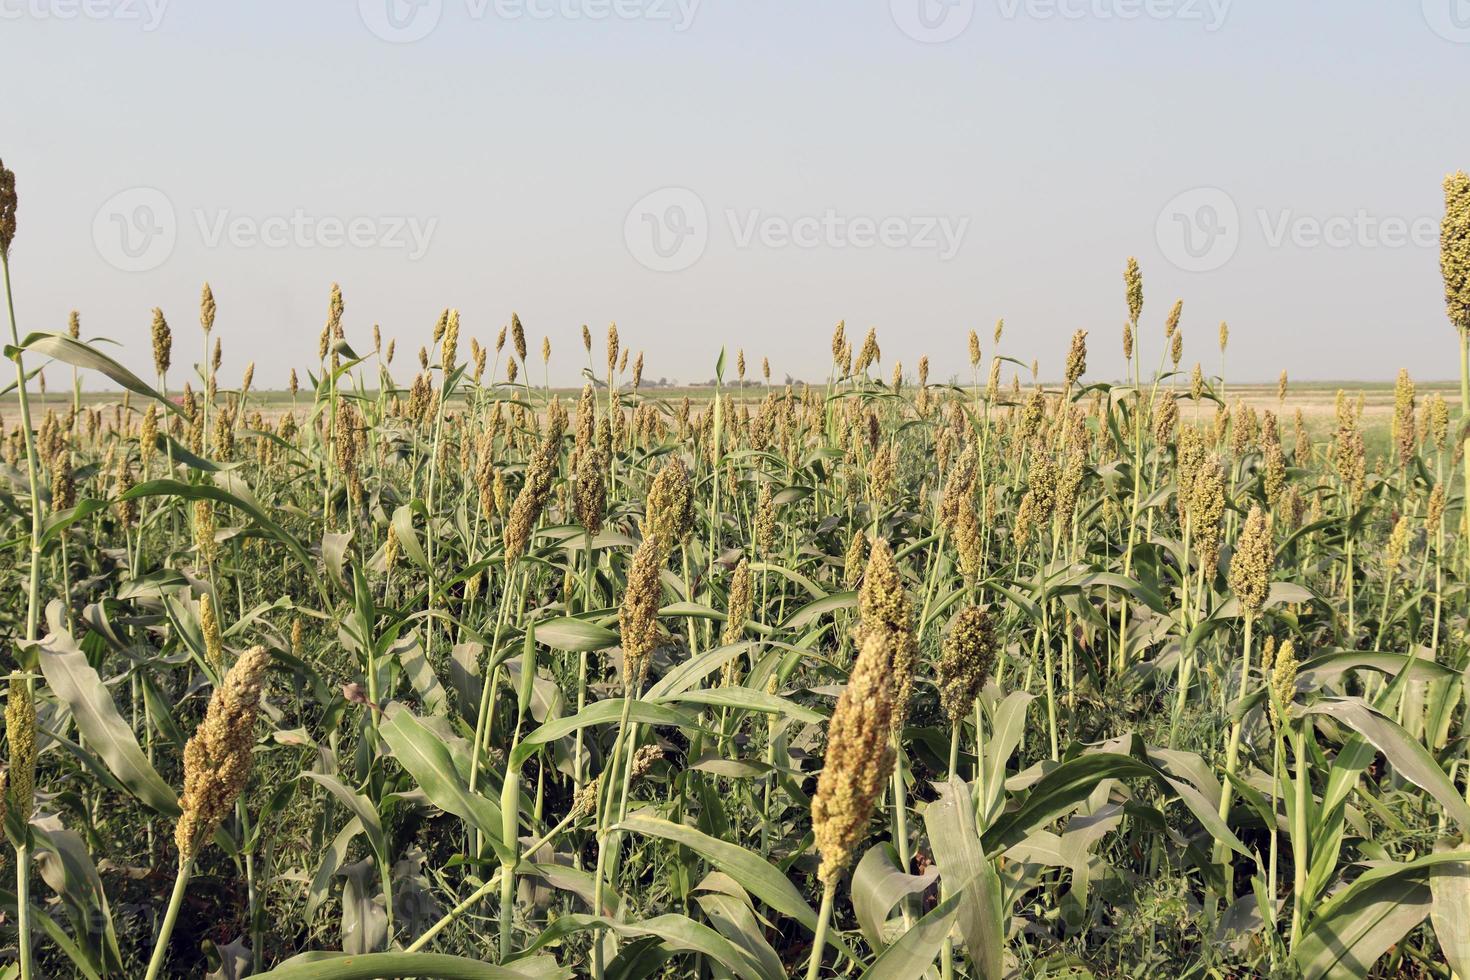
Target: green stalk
{"type": "Point", "coordinates": [33, 467]}
{"type": "Point", "coordinates": [175, 901]}
{"type": "Point", "coordinates": [814, 962]}
{"type": "Point", "coordinates": [1232, 750]}
{"type": "Point", "coordinates": [1299, 837]}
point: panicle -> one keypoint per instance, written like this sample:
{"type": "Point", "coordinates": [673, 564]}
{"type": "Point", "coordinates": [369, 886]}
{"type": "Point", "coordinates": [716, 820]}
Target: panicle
{"type": "Point", "coordinates": [859, 758]}
{"type": "Point", "coordinates": [217, 759]}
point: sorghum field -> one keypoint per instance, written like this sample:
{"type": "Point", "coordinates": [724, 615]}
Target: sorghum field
{"type": "Point", "coordinates": [423, 670]}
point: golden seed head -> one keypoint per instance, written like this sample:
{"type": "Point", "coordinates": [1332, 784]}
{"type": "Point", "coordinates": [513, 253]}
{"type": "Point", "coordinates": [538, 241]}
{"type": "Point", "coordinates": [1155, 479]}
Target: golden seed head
{"type": "Point", "coordinates": [738, 605]}
{"type": "Point", "coordinates": [669, 510]}
{"type": "Point", "coordinates": [1133, 289]}
{"type": "Point", "coordinates": [545, 350]}
{"type": "Point", "coordinates": [1166, 418]}
{"type": "Point", "coordinates": [1454, 248]}
{"type": "Point", "coordinates": [63, 482]}
{"type": "Point", "coordinates": [217, 760]}
{"type": "Point", "coordinates": [859, 758]}
{"type": "Point", "coordinates": [1176, 348]}
{"type": "Point", "coordinates": [974, 349]}
{"type": "Point", "coordinates": [7, 208]}
{"type": "Point", "coordinates": [206, 308]}
{"type": "Point", "coordinates": [518, 335]}
{"type": "Point", "coordinates": [163, 342]}
{"type": "Point", "coordinates": [449, 344]}
{"type": "Point", "coordinates": [869, 354]}
{"type": "Point", "coordinates": [20, 733]}
{"type": "Point", "coordinates": [1077, 357]}
{"type": "Point", "coordinates": [74, 325]}
{"type": "Point", "coordinates": [1434, 512]}
{"type": "Point", "coordinates": [1127, 341]}
{"type": "Point", "coordinates": [1171, 322]}
{"type": "Point", "coordinates": [203, 525]}
{"type": "Point", "coordinates": [1250, 568]}
{"type": "Point", "coordinates": [638, 612]}
{"type": "Point", "coordinates": [884, 608]}
{"type": "Point", "coordinates": [857, 556]}
{"type": "Point", "coordinates": [612, 350]}
{"type": "Point", "coordinates": [1281, 388]}
{"type": "Point", "coordinates": [1205, 508]}
{"type": "Point", "coordinates": [1283, 684]}
{"type": "Point", "coordinates": [965, 661]}
{"type": "Point", "coordinates": [214, 646]}
{"type": "Point", "coordinates": [127, 510]}
{"type": "Point", "coordinates": [1403, 417]}
{"type": "Point", "coordinates": [335, 308]}
{"type": "Point", "coordinates": [1398, 543]}
{"type": "Point", "coordinates": [1224, 335]}
{"type": "Point", "coordinates": [765, 520]}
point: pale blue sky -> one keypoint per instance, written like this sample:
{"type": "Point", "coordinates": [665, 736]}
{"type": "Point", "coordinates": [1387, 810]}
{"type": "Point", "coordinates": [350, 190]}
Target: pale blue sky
{"type": "Point", "coordinates": [1047, 139]}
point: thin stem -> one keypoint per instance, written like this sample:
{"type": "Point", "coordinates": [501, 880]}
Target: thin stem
{"type": "Point", "coordinates": [175, 901]}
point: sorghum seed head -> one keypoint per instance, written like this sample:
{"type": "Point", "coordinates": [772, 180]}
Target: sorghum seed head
{"type": "Point", "coordinates": [738, 605]}
{"type": "Point", "coordinates": [217, 759]}
{"type": "Point", "coordinates": [965, 661]}
{"type": "Point", "coordinates": [20, 733]}
{"type": "Point", "coordinates": [1283, 684]}
{"type": "Point", "coordinates": [1250, 568]}
{"type": "Point", "coordinates": [163, 342]}
{"type": "Point", "coordinates": [858, 760]}
{"type": "Point", "coordinates": [1454, 248]}
{"type": "Point", "coordinates": [1133, 289]}
{"type": "Point", "coordinates": [214, 647]}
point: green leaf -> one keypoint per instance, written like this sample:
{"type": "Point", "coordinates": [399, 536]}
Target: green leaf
{"type": "Point", "coordinates": [427, 759]}
{"type": "Point", "coordinates": [1449, 910]}
{"type": "Point", "coordinates": [1409, 757]}
{"type": "Point", "coordinates": [911, 956]}
{"type": "Point", "coordinates": [77, 685]}
{"type": "Point", "coordinates": [362, 808]}
{"type": "Point", "coordinates": [394, 966]}
{"type": "Point", "coordinates": [968, 876]}
{"type": "Point", "coordinates": [820, 607]}
{"type": "Point", "coordinates": [753, 873]}
{"type": "Point", "coordinates": [748, 700]}
{"type": "Point", "coordinates": [597, 713]}
{"type": "Point", "coordinates": [878, 885]}
{"type": "Point", "coordinates": [575, 635]}
{"type": "Point", "coordinates": [72, 351]}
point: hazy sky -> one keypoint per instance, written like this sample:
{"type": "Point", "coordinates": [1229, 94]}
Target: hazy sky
{"type": "Point", "coordinates": [743, 172]}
